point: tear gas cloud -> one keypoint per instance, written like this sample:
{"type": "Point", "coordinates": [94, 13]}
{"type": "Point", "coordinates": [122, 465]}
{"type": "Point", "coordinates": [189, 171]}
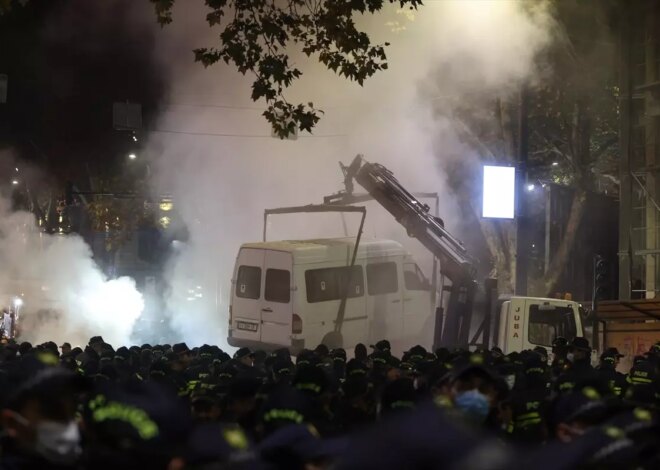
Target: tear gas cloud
{"type": "Point", "coordinates": [401, 118]}
{"type": "Point", "coordinates": [212, 150]}
{"type": "Point", "coordinates": [57, 276]}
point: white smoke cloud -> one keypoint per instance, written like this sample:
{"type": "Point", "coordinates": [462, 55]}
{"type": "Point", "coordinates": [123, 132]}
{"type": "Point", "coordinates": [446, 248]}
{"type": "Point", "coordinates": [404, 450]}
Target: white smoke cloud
{"type": "Point", "coordinates": [221, 184]}
{"type": "Point", "coordinates": [56, 274]}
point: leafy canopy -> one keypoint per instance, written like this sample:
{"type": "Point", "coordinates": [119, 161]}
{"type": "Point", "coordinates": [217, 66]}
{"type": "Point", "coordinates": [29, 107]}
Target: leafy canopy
{"type": "Point", "coordinates": [258, 36]}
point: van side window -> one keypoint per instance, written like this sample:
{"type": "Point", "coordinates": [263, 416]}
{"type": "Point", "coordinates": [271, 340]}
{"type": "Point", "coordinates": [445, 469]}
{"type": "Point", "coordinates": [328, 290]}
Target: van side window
{"type": "Point", "coordinates": [328, 283]}
{"type": "Point", "coordinates": [414, 278]}
{"type": "Point", "coordinates": [278, 286]}
{"type": "Point", "coordinates": [248, 282]}
{"type": "Point", "coordinates": [382, 278]}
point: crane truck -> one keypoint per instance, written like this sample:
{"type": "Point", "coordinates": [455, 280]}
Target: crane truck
{"type": "Point", "coordinates": [342, 291]}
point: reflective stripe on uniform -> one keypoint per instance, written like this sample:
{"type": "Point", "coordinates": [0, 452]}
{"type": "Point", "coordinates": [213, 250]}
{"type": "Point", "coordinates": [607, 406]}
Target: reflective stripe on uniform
{"type": "Point", "coordinates": [527, 419]}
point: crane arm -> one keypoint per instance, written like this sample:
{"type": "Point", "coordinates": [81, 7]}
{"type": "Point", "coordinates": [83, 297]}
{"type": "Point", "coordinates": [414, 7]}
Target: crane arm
{"type": "Point", "coordinates": [414, 216]}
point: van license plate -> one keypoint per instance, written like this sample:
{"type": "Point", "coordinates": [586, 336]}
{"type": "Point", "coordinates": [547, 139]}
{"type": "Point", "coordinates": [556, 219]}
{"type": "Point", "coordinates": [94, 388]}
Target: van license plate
{"type": "Point", "coordinates": [243, 325]}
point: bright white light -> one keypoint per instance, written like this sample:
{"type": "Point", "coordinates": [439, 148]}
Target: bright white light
{"type": "Point", "coordinates": [531, 187]}
{"type": "Point", "coordinates": [14, 182]}
{"type": "Point", "coordinates": [164, 222]}
{"type": "Point", "coordinates": [16, 169]}
{"type": "Point", "coordinates": [555, 163]}
{"type": "Point", "coordinates": [132, 156]}
{"type": "Point", "coordinates": [166, 206]}
{"type": "Point", "coordinates": [110, 306]}
{"type": "Point", "coordinates": [499, 192]}
{"type": "Point", "coordinates": [134, 139]}
{"type": "Point", "coordinates": [60, 275]}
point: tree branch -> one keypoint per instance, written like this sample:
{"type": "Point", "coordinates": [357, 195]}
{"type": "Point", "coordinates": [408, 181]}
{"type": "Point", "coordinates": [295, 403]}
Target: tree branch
{"type": "Point", "coordinates": [261, 33]}
{"type": "Point", "coordinates": [474, 140]}
{"type": "Point", "coordinates": [604, 147]}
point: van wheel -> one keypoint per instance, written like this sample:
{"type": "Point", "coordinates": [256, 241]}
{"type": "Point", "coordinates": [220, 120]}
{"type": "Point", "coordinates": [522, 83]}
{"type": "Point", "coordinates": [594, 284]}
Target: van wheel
{"type": "Point", "coordinates": [333, 340]}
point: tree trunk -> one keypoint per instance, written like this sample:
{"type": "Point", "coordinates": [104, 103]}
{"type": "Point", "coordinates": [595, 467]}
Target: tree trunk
{"type": "Point", "coordinates": [544, 286]}
{"type": "Point", "coordinates": [506, 126]}
{"type": "Point", "coordinates": [504, 277]}
{"type": "Point", "coordinates": [503, 262]}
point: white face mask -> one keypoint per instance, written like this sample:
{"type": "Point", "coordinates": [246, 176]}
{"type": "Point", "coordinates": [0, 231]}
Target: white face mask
{"type": "Point", "coordinates": [510, 381]}
{"type": "Point", "coordinates": [58, 442]}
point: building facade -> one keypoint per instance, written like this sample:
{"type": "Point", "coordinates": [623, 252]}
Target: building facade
{"type": "Point", "coordinates": [639, 212]}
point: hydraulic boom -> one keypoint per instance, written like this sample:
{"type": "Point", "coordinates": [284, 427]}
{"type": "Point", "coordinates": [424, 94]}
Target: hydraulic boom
{"type": "Point", "coordinates": [455, 263]}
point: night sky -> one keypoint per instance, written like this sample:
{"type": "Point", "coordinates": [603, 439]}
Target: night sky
{"type": "Point", "coordinates": [67, 63]}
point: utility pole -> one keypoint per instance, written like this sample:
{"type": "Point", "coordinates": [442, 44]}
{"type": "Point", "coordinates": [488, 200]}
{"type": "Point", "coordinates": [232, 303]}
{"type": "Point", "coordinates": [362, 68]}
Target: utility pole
{"type": "Point", "coordinates": [4, 107]}
{"type": "Point", "coordinates": [3, 88]}
{"type": "Point", "coordinates": [626, 133]}
{"type": "Point", "coordinates": [522, 218]}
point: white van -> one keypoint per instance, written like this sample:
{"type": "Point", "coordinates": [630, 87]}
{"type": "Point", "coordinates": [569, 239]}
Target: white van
{"type": "Point", "coordinates": [288, 294]}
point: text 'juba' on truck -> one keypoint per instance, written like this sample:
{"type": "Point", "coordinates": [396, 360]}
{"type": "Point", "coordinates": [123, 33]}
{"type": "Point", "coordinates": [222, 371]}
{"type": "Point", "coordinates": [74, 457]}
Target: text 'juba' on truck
{"type": "Point", "coordinates": [344, 291]}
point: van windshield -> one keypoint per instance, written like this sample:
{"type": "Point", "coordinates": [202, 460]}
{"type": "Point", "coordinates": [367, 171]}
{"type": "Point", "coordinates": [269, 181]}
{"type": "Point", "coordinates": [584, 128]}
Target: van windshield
{"type": "Point", "coordinates": [414, 278]}
{"type": "Point", "coordinates": [548, 322]}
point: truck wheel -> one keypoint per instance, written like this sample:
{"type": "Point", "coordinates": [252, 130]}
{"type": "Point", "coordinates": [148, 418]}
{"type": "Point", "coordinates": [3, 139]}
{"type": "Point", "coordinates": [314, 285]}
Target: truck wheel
{"type": "Point", "coordinates": [333, 340]}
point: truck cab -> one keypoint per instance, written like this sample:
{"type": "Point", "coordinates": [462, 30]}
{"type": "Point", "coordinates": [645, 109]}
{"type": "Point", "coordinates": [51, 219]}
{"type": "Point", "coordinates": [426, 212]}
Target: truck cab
{"type": "Point", "coordinates": [527, 322]}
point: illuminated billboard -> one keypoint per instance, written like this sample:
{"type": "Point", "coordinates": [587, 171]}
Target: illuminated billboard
{"type": "Point", "coordinates": [499, 192]}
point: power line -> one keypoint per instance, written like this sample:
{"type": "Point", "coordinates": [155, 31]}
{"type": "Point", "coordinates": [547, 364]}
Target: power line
{"type": "Point", "coordinates": [245, 136]}
{"type": "Point", "coordinates": [247, 108]}
{"type": "Point", "coordinates": [318, 107]}
{"type": "Point", "coordinates": [221, 97]}
{"type": "Point", "coordinates": [221, 106]}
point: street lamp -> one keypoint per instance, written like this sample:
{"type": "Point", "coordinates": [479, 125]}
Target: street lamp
{"type": "Point", "coordinates": [132, 156]}
{"type": "Point", "coordinates": [14, 182]}
{"type": "Point", "coordinates": [531, 187]}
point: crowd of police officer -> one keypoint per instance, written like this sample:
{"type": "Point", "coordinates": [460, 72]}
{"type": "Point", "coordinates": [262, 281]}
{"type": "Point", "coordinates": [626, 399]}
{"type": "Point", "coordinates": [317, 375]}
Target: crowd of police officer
{"type": "Point", "coordinates": [171, 407]}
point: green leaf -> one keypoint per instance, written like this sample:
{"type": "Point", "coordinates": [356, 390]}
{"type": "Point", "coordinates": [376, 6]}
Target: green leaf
{"type": "Point", "coordinates": [257, 34]}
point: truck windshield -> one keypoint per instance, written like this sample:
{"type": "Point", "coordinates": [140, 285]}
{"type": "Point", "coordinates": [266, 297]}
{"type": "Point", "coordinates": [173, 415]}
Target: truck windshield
{"type": "Point", "coordinates": [548, 322]}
